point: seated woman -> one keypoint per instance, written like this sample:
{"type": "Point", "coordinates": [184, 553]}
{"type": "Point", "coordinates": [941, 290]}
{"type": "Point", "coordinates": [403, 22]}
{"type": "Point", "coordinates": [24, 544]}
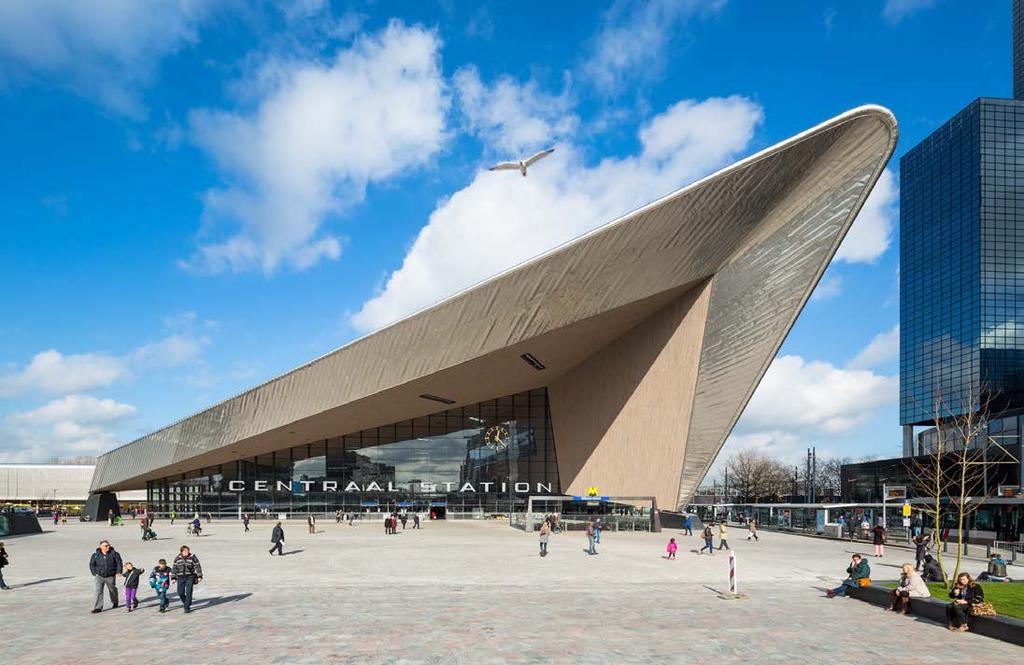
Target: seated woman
{"type": "Point", "coordinates": [965, 593]}
{"type": "Point", "coordinates": [911, 586]}
{"type": "Point", "coordinates": [857, 570]}
{"type": "Point", "coordinates": [931, 571]}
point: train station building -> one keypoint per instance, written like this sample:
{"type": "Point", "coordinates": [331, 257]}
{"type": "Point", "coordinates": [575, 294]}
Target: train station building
{"type": "Point", "coordinates": [618, 361]}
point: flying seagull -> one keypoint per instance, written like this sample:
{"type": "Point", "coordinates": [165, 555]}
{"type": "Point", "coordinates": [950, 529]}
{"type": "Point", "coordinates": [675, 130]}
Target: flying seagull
{"type": "Point", "coordinates": [522, 164]}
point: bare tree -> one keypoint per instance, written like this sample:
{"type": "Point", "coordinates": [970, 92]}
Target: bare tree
{"type": "Point", "coordinates": [954, 469]}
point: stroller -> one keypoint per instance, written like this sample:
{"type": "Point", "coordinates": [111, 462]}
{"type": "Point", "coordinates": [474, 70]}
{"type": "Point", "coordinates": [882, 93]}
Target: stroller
{"type": "Point", "coordinates": [148, 534]}
{"type": "Point", "coordinates": [194, 528]}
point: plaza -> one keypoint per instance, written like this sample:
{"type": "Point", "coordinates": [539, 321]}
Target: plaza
{"type": "Point", "coordinates": [462, 592]}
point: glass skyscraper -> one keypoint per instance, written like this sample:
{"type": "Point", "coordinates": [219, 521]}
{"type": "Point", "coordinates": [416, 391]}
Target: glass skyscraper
{"type": "Point", "coordinates": [962, 261]}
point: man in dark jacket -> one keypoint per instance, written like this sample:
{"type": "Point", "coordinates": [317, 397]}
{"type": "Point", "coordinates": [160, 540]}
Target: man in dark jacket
{"type": "Point", "coordinates": [105, 565]}
{"type": "Point", "coordinates": [187, 572]}
{"type": "Point", "coordinates": [277, 537]}
{"type": "Point", "coordinates": [921, 542]}
{"type": "Point", "coordinates": [932, 572]}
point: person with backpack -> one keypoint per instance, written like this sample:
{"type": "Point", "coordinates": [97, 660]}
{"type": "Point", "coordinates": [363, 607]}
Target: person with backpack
{"type": "Point", "coordinates": [590, 538]}
{"type": "Point", "coordinates": [752, 529]}
{"type": "Point", "coordinates": [277, 537]}
{"type": "Point", "coordinates": [187, 572]}
{"type": "Point", "coordinates": [709, 539]}
{"type": "Point", "coordinates": [105, 565]}
{"type": "Point", "coordinates": [160, 581]}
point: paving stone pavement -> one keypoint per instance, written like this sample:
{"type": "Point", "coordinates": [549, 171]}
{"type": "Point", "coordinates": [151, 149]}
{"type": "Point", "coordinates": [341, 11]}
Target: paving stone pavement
{"type": "Point", "coordinates": [461, 592]}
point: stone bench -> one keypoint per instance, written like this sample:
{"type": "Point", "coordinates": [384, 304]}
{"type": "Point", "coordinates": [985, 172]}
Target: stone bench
{"type": "Point", "coordinates": [1003, 628]}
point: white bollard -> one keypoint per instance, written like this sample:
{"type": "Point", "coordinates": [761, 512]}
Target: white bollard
{"type": "Point", "coordinates": [732, 573]}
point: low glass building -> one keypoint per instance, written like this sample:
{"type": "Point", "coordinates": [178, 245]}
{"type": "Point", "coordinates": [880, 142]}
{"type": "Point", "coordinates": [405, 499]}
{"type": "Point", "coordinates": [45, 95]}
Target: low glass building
{"type": "Point", "coordinates": [484, 457]}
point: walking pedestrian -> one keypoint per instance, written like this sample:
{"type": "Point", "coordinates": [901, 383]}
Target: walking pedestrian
{"type": "Point", "coordinates": [545, 532]}
{"type": "Point", "coordinates": [131, 585]}
{"type": "Point", "coordinates": [160, 581]}
{"type": "Point", "coordinates": [590, 538]}
{"type": "Point", "coordinates": [922, 542]}
{"type": "Point", "coordinates": [879, 540]}
{"type": "Point", "coordinates": [110, 517]}
{"type": "Point", "coordinates": [723, 535]}
{"type": "Point", "coordinates": [277, 537]}
{"type": "Point", "coordinates": [187, 572]}
{"type": "Point", "coordinates": [197, 526]}
{"type": "Point", "coordinates": [709, 539]}
{"type": "Point", "coordinates": [597, 530]}
{"type": "Point", "coordinates": [173, 515]}
{"type": "Point", "coordinates": [752, 529]}
{"type": "Point", "coordinates": [105, 565]}
{"type": "Point", "coordinates": [4, 561]}
{"type": "Point", "coordinates": [245, 522]}
{"type": "Point", "coordinates": [688, 525]}
{"type": "Point", "coordinates": [405, 518]}
{"type": "Point", "coordinates": [311, 523]}
{"type": "Point", "coordinates": [672, 547]}
{"type": "Point", "coordinates": [415, 520]}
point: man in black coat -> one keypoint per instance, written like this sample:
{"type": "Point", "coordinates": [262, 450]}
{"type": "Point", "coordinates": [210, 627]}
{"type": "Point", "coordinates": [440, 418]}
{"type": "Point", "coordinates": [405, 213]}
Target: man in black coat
{"type": "Point", "coordinates": [277, 537]}
{"type": "Point", "coordinates": [105, 565]}
{"type": "Point", "coordinates": [922, 542]}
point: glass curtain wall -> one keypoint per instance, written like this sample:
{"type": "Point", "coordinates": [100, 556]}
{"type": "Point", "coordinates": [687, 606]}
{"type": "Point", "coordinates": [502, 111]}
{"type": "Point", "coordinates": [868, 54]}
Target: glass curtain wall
{"type": "Point", "coordinates": [480, 458]}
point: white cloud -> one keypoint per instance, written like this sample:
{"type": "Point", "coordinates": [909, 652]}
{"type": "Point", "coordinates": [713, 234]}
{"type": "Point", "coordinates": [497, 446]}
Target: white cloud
{"type": "Point", "coordinates": [828, 288]}
{"type": "Point", "coordinates": [511, 218]}
{"type": "Point", "coordinates": [871, 233]}
{"type": "Point", "coordinates": [24, 443]}
{"type": "Point", "coordinates": [635, 38]}
{"type": "Point", "coordinates": [883, 347]}
{"type": "Point", "coordinates": [895, 11]}
{"type": "Point", "coordinates": [799, 395]}
{"type": "Point", "coordinates": [78, 408]}
{"type": "Point", "coordinates": [321, 133]}
{"type": "Point", "coordinates": [105, 49]}
{"type": "Point", "coordinates": [513, 117]}
{"type": "Point", "coordinates": [183, 346]}
{"type": "Point", "coordinates": [53, 372]}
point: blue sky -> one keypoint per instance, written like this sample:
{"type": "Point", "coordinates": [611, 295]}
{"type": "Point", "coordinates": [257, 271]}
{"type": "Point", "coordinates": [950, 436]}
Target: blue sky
{"type": "Point", "coordinates": [201, 195]}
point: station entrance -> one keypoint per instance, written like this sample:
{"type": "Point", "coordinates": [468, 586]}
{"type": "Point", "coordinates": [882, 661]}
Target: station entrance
{"type": "Point", "coordinates": [617, 513]}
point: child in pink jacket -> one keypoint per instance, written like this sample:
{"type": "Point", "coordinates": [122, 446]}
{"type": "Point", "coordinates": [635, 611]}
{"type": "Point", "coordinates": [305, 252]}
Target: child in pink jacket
{"type": "Point", "coordinates": [672, 547]}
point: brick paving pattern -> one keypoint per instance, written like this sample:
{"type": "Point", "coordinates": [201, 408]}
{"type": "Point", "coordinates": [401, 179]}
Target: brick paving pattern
{"type": "Point", "coordinates": [460, 592]}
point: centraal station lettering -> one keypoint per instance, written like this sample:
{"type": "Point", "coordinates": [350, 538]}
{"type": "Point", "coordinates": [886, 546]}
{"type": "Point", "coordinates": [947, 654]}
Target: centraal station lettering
{"type": "Point", "coordinates": [305, 486]}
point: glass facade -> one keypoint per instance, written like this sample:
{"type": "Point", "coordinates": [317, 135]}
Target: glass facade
{"type": "Point", "coordinates": [487, 457]}
{"type": "Point", "coordinates": [962, 264]}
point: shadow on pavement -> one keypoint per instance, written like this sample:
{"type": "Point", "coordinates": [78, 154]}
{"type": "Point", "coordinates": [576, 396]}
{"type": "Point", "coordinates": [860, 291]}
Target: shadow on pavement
{"type": "Point", "coordinates": [204, 603]}
{"type": "Point", "coordinates": [44, 581]}
{"type": "Point", "coordinates": [292, 552]}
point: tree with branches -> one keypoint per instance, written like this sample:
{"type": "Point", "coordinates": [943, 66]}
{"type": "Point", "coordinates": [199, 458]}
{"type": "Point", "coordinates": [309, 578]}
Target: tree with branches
{"type": "Point", "coordinates": [953, 471]}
